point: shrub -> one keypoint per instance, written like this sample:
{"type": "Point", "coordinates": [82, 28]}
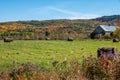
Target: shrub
{"type": "Point", "coordinates": [91, 68]}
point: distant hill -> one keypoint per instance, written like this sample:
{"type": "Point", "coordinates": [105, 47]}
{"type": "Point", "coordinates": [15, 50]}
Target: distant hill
{"type": "Point", "coordinates": [108, 18]}
{"type": "Point", "coordinates": [55, 29]}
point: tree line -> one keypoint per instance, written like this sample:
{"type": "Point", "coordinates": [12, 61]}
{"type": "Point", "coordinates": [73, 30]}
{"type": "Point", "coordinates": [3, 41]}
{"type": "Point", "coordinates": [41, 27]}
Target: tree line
{"type": "Point", "coordinates": [54, 29]}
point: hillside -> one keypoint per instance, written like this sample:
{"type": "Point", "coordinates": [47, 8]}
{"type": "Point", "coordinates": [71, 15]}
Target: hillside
{"type": "Point", "coordinates": [108, 18]}
{"type": "Point", "coordinates": [55, 29]}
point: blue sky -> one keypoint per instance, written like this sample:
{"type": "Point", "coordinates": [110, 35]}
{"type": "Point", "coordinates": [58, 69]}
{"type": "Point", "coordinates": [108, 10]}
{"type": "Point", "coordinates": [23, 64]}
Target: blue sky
{"type": "Point", "coordinates": [14, 10]}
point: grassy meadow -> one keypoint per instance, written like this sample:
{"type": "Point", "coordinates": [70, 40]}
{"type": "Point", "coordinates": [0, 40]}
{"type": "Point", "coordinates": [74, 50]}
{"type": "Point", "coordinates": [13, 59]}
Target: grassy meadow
{"type": "Point", "coordinates": [45, 52]}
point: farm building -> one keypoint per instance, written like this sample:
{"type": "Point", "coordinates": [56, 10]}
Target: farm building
{"type": "Point", "coordinates": [102, 30]}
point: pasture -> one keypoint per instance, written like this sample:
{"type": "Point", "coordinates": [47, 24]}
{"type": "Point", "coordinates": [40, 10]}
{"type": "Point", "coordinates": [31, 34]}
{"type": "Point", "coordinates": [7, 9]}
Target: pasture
{"type": "Point", "coordinates": [45, 52]}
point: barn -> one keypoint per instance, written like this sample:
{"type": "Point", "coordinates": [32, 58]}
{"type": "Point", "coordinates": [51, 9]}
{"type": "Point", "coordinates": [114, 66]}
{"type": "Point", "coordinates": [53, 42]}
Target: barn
{"type": "Point", "coordinates": [102, 30]}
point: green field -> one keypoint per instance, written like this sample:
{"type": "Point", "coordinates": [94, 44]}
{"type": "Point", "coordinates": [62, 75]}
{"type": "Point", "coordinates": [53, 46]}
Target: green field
{"type": "Point", "coordinates": [45, 52]}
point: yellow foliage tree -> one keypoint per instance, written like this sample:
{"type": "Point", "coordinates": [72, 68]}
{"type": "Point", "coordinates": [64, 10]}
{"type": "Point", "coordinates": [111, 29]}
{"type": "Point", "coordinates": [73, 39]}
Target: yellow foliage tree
{"type": "Point", "coordinates": [116, 33]}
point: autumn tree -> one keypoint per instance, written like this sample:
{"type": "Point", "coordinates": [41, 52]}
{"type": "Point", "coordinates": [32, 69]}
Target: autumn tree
{"type": "Point", "coordinates": [116, 34]}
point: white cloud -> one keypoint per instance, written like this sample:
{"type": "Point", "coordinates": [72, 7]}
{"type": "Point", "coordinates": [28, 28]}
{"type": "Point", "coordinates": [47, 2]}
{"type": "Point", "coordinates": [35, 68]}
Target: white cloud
{"type": "Point", "coordinates": [84, 16]}
{"type": "Point", "coordinates": [67, 14]}
{"type": "Point", "coordinates": [74, 15]}
{"type": "Point", "coordinates": [62, 11]}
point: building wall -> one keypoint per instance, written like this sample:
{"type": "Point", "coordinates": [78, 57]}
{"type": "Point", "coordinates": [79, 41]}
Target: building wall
{"type": "Point", "coordinates": [99, 30]}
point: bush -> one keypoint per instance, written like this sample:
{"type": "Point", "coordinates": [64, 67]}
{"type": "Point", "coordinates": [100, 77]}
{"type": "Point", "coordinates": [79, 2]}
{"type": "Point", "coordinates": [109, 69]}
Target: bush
{"type": "Point", "coordinates": [107, 37]}
{"type": "Point", "coordinates": [91, 68]}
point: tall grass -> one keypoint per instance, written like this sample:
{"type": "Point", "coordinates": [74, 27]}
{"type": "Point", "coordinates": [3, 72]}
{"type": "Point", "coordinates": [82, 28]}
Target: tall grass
{"type": "Point", "coordinates": [90, 69]}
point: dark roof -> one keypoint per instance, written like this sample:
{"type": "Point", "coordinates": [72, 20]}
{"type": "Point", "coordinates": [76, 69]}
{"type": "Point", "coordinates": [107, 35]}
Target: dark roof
{"type": "Point", "coordinates": [108, 28]}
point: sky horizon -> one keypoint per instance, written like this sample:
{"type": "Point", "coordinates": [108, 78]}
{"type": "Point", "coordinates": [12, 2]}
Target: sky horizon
{"type": "Point", "coordinates": [19, 10]}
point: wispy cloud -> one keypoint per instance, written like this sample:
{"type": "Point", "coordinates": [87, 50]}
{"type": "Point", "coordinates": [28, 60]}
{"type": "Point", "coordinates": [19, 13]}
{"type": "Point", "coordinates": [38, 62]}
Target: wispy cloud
{"type": "Point", "coordinates": [74, 15]}
{"type": "Point", "coordinates": [67, 14]}
{"type": "Point", "coordinates": [62, 11]}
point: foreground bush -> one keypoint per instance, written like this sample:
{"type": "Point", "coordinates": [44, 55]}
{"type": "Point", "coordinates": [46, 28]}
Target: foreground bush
{"type": "Point", "coordinates": [90, 68]}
